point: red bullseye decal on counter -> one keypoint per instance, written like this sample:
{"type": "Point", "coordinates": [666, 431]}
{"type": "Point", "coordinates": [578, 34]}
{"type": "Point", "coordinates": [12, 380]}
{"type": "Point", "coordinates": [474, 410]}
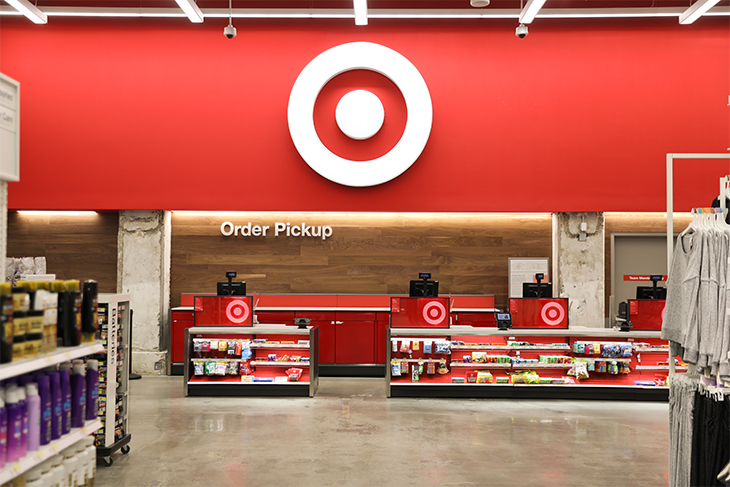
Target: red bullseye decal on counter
{"type": "Point", "coordinates": [237, 311]}
{"type": "Point", "coordinates": [434, 313]}
{"type": "Point", "coordinates": [552, 314]}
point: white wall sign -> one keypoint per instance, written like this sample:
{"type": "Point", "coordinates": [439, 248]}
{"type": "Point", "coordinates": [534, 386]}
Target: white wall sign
{"type": "Point", "coordinates": [9, 129]}
{"type": "Point", "coordinates": [349, 57]}
{"type": "Point", "coordinates": [279, 229]}
{"type": "Point", "coordinates": [523, 269]}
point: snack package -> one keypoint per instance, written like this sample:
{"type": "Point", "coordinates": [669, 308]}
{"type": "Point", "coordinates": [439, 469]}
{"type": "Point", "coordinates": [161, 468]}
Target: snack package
{"type": "Point", "coordinates": [484, 377]}
{"type": "Point", "coordinates": [403, 367]}
{"type": "Point", "coordinates": [246, 351]}
{"type": "Point", "coordinates": [579, 370]}
{"type": "Point", "coordinates": [471, 377]}
{"type": "Point", "coordinates": [205, 346]}
{"type": "Point", "coordinates": [467, 359]}
{"type": "Point", "coordinates": [294, 375]}
{"type": "Point", "coordinates": [405, 346]}
{"type": "Point", "coordinates": [232, 367]}
{"type": "Point", "coordinates": [627, 350]}
{"type": "Point", "coordinates": [442, 368]}
{"type": "Point", "coordinates": [415, 376]}
{"type": "Point", "coordinates": [210, 367]}
{"type": "Point", "coordinates": [427, 346]}
{"type": "Point", "coordinates": [231, 347]}
{"type": "Point", "coordinates": [443, 346]}
{"type": "Point", "coordinates": [395, 368]}
{"type": "Point", "coordinates": [431, 368]}
{"type": "Point", "coordinates": [221, 367]}
{"type": "Point", "coordinates": [245, 368]}
{"type": "Point", "coordinates": [272, 357]}
{"type": "Point", "coordinates": [197, 345]}
{"type": "Point", "coordinates": [199, 367]}
{"type": "Point", "coordinates": [478, 357]}
{"type": "Point", "coordinates": [394, 346]}
{"type": "Point", "coordinates": [416, 345]}
{"type": "Point", "coordinates": [239, 348]}
{"type": "Point", "coordinates": [222, 345]}
{"type": "Point", "coordinates": [213, 345]}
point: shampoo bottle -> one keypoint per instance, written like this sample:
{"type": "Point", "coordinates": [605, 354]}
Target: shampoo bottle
{"type": "Point", "coordinates": [23, 404]}
{"type": "Point", "coordinates": [65, 372]}
{"type": "Point", "coordinates": [15, 424]}
{"type": "Point", "coordinates": [56, 405]}
{"type": "Point", "coordinates": [6, 323]}
{"type": "Point", "coordinates": [92, 389]}
{"type": "Point", "coordinates": [78, 394]}
{"type": "Point", "coordinates": [3, 434]}
{"type": "Point", "coordinates": [44, 392]}
{"type": "Point", "coordinates": [34, 417]}
{"type": "Point", "coordinates": [91, 451]}
{"type": "Point", "coordinates": [89, 311]}
{"type": "Point", "coordinates": [58, 471]}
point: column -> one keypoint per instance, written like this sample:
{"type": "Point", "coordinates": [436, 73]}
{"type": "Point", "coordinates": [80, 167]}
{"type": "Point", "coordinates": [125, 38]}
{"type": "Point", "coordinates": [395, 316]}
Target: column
{"type": "Point", "coordinates": [143, 271]}
{"type": "Point", "coordinates": [3, 223]}
{"type": "Point", "coordinates": [579, 266]}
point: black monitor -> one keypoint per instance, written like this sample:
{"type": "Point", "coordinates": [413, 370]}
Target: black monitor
{"type": "Point", "coordinates": [424, 289]}
{"type": "Point", "coordinates": [232, 288]}
{"type": "Point", "coordinates": [650, 292]}
{"type": "Point", "coordinates": [537, 290]}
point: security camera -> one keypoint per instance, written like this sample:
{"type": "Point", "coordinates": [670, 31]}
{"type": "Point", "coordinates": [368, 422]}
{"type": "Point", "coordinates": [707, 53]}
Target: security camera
{"type": "Point", "coordinates": [479, 3]}
{"type": "Point", "coordinates": [229, 31]}
{"type": "Point", "coordinates": [521, 31]}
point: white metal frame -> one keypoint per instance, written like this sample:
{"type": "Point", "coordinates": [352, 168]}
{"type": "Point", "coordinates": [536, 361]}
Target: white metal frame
{"type": "Point", "coordinates": [14, 166]}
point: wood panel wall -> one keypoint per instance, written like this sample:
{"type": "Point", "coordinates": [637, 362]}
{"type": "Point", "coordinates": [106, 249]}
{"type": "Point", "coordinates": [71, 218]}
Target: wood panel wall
{"type": "Point", "coordinates": [75, 247]}
{"type": "Point", "coordinates": [374, 253]}
{"type": "Point", "coordinates": [637, 223]}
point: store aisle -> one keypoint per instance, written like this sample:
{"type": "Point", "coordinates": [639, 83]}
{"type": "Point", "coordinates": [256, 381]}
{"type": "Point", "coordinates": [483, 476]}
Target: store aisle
{"type": "Point", "coordinates": [350, 435]}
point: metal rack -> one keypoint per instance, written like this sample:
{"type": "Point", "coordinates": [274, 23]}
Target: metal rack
{"type": "Point", "coordinates": [115, 326]}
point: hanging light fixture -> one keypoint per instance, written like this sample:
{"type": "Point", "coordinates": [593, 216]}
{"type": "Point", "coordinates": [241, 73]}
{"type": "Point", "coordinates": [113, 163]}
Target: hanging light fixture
{"type": "Point", "coordinates": [29, 10]}
{"type": "Point", "coordinates": [191, 10]}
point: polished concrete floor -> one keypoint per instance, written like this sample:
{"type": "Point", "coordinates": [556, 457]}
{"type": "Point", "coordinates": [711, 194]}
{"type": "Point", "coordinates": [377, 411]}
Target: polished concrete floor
{"type": "Point", "coordinates": [351, 435]}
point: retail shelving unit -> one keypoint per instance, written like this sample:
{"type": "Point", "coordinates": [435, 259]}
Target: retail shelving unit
{"type": "Point", "coordinates": [550, 354]}
{"type": "Point", "coordinates": [27, 366]}
{"type": "Point", "coordinates": [274, 350]}
{"type": "Point", "coordinates": [114, 325]}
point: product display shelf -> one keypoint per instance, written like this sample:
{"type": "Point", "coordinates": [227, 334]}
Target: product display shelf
{"type": "Point", "coordinates": [267, 376]}
{"type": "Point", "coordinates": [62, 354]}
{"type": "Point", "coordinates": [602, 385]}
{"type": "Point", "coordinates": [114, 324]}
{"type": "Point", "coordinates": [37, 457]}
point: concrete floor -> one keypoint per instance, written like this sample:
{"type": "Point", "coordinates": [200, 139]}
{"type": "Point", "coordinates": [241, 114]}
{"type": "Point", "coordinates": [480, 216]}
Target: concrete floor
{"type": "Point", "coordinates": [350, 435]}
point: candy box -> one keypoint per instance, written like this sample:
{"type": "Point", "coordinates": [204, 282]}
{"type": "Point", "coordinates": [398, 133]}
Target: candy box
{"type": "Point", "coordinates": [478, 357]}
{"type": "Point", "coordinates": [484, 377]}
{"type": "Point", "coordinates": [457, 380]}
{"type": "Point", "coordinates": [471, 377]}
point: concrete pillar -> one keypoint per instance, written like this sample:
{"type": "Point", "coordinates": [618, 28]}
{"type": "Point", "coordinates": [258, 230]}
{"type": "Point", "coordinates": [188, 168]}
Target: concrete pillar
{"type": "Point", "coordinates": [3, 223]}
{"type": "Point", "coordinates": [579, 265]}
{"type": "Point", "coordinates": [143, 271]}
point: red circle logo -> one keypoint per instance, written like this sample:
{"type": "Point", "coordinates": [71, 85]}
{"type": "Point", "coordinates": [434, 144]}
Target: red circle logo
{"type": "Point", "coordinates": [237, 311]}
{"type": "Point", "coordinates": [434, 313]}
{"type": "Point", "coordinates": [552, 314]}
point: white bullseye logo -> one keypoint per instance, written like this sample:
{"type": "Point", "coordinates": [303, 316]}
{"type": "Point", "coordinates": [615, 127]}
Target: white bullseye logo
{"type": "Point", "coordinates": [552, 314]}
{"type": "Point", "coordinates": [237, 311]}
{"type": "Point", "coordinates": [360, 114]}
{"type": "Point", "coordinates": [434, 313]}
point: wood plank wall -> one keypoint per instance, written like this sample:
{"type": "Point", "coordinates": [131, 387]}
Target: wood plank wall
{"type": "Point", "coordinates": [374, 253]}
{"type": "Point", "coordinates": [637, 223]}
{"type": "Point", "coordinates": [75, 247]}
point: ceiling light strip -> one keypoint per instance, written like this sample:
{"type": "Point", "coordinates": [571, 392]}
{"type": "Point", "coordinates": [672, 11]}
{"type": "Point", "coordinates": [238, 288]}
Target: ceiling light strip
{"type": "Point", "coordinates": [530, 11]}
{"type": "Point", "coordinates": [191, 10]}
{"type": "Point", "coordinates": [56, 212]}
{"type": "Point", "coordinates": [29, 10]}
{"type": "Point", "coordinates": [465, 14]}
{"type": "Point", "coordinates": [696, 11]}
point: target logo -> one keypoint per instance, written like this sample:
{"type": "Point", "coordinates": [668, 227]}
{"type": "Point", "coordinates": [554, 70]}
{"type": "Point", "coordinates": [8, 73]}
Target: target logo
{"type": "Point", "coordinates": [663, 310]}
{"type": "Point", "coordinates": [552, 314]}
{"type": "Point", "coordinates": [360, 114]}
{"type": "Point", "coordinates": [237, 311]}
{"type": "Point", "coordinates": [434, 313]}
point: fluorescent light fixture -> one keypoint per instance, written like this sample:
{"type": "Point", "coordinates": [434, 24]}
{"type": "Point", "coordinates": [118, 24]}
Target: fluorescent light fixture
{"type": "Point", "coordinates": [29, 10]}
{"type": "Point", "coordinates": [361, 12]}
{"type": "Point", "coordinates": [530, 11]}
{"type": "Point", "coordinates": [191, 10]}
{"type": "Point", "coordinates": [696, 11]}
{"type": "Point", "coordinates": [56, 213]}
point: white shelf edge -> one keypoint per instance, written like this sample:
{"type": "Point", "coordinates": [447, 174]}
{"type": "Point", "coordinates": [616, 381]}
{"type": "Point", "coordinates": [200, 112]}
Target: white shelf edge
{"type": "Point", "coordinates": [241, 383]}
{"type": "Point", "coordinates": [45, 452]}
{"type": "Point", "coordinates": [25, 366]}
{"type": "Point", "coordinates": [274, 364]}
{"type": "Point", "coordinates": [583, 386]}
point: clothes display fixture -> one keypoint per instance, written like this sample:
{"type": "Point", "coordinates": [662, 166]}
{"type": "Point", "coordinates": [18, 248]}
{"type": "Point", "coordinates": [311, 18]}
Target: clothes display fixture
{"type": "Point", "coordinates": [699, 432]}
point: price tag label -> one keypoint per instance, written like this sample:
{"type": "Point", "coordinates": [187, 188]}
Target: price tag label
{"type": "Point", "coordinates": [49, 360]}
{"type": "Point", "coordinates": [16, 467]}
{"type": "Point", "coordinates": [85, 430]}
{"type": "Point", "coordinates": [40, 455]}
{"type": "Point", "coordinates": [68, 354]}
{"type": "Point", "coordinates": [54, 447]}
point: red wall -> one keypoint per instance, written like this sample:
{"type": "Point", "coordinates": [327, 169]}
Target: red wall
{"type": "Point", "coordinates": [165, 114]}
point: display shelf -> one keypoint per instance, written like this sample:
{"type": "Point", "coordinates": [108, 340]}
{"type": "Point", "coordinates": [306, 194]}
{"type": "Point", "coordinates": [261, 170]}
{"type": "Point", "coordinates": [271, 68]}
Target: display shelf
{"type": "Point", "coordinates": [257, 363]}
{"type": "Point", "coordinates": [62, 354]}
{"type": "Point", "coordinates": [651, 349]}
{"type": "Point", "coordinates": [35, 458]}
{"type": "Point", "coordinates": [660, 367]}
{"type": "Point", "coordinates": [271, 382]}
{"type": "Point", "coordinates": [424, 360]}
{"type": "Point", "coordinates": [543, 343]}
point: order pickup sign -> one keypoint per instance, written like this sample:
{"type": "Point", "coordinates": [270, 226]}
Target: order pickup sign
{"type": "Point", "coordinates": [647, 278]}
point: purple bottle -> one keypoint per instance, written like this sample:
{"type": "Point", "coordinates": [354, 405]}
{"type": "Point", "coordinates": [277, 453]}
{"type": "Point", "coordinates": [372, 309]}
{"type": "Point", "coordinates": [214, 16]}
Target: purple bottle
{"type": "Point", "coordinates": [92, 389]}
{"type": "Point", "coordinates": [34, 416]}
{"type": "Point", "coordinates": [23, 404]}
{"type": "Point", "coordinates": [15, 424]}
{"type": "Point", "coordinates": [65, 374]}
{"type": "Point", "coordinates": [3, 434]}
{"type": "Point", "coordinates": [78, 395]}
{"type": "Point", "coordinates": [56, 406]}
{"type": "Point", "coordinates": [44, 391]}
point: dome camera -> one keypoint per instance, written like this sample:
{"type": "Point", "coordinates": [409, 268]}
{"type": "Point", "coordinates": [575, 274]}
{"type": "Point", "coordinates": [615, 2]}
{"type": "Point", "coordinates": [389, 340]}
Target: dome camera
{"type": "Point", "coordinates": [521, 31]}
{"type": "Point", "coordinates": [479, 3]}
{"type": "Point", "coordinates": [229, 31]}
